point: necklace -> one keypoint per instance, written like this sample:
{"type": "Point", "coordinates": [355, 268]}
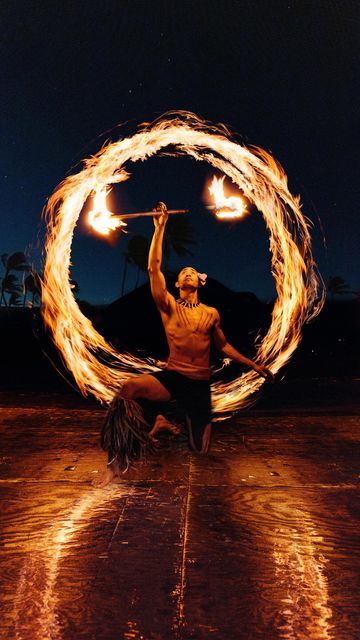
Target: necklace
{"type": "Point", "coordinates": [189, 305]}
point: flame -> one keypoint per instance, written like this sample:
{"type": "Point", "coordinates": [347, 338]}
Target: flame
{"type": "Point", "coordinates": [100, 218]}
{"type": "Point", "coordinates": [226, 208]}
{"type": "Point", "coordinates": [96, 366]}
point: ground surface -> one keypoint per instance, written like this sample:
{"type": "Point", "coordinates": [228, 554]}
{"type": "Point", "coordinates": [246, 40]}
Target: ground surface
{"type": "Point", "coordinates": [260, 540]}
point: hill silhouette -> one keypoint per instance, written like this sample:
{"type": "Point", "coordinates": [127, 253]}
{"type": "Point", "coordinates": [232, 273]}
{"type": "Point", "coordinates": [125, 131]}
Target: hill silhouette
{"type": "Point", "coordinates": [133, 321]}
{"type": "Point", "coordinates": [329, 348]}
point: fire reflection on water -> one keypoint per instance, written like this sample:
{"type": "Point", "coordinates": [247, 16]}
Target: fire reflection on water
{"type": "Point", "coordinates": [289, 553]}
{"type": "Point", "coordinates": [299, 569]}
{"type": "Point", "coordinates": [292, 551]}
{"type": "Point", "coordinates": [36, 601]}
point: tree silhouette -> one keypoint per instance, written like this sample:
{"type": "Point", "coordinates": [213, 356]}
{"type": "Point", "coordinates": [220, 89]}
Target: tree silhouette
{"type": "Point", "coordinates": [137, 255]}
{"type": "Point", "coordinates": [126, 262]}
{"type": "Point", "coordinates": [336, 285]}
{"type": "Point", "coordinates": [32, 285]}
{"type": "Point", "coordinates": [179, 233]}
{"type": "Point", "coordinates": [11, 286]}
{"type": "Point", "coordinates": [10, 283]}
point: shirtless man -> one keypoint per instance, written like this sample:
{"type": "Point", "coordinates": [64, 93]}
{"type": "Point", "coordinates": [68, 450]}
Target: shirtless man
{"type": "Point", "coordinates": [188, 325]}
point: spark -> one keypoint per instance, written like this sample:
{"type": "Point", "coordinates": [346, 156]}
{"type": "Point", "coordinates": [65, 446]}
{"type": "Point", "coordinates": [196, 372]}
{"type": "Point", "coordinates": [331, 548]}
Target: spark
{"type": "Point", "coordinates": [96, 366]}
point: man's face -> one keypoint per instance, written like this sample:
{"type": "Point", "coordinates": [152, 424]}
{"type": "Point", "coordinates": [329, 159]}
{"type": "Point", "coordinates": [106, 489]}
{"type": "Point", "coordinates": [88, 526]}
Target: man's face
{"type": "Point", "coordinates": [188, 278]}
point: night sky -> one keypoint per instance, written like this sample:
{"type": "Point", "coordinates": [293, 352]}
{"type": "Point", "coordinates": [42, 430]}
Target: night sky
{"type": "Point", "coordinates": [283, 75]}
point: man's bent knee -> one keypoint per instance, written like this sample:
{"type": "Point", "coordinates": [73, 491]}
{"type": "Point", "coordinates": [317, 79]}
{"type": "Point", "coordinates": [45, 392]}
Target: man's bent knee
{"type": "Point", "coordinates": [146, 387]}
{"type": "Point", "coordinates": [129, 389]}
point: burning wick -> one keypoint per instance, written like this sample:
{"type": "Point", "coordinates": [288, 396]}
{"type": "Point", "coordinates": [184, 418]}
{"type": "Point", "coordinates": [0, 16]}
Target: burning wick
{"type": "Point", "coordinates": [225, 208]}
{"type": "Point", "coordinates": [103, 221]}
{"type": "Point", "coordinates": [100, 218]}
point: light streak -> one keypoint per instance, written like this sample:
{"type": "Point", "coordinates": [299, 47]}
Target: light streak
{"type": "Point", "coordinates": [96, 366]}
{"type": "Point", "coordinates": [39, 574]}
{"type": "Point", "coordinates": [290, 551]}
{"type": "Point", "coordinates": [300, 571]}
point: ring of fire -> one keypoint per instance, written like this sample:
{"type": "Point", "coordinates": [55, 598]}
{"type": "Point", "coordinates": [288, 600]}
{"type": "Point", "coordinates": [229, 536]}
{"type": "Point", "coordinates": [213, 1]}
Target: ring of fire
{"type": "Point", "coordinates": [96, 366]}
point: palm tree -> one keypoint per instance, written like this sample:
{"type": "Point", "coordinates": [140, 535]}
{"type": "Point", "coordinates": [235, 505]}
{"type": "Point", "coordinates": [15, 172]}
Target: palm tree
{"type": "Point", "coordinates": [15, 298]}
{"type": "Point", "coordinates": [126, 262]}
{"type": "Point", "coordinates": [336, 285]}
{"type": "Point", "coordinates": [10, 284]}
{"type": "Point", "coordinates": [32, 285]}
{"type": "Point", "coordinates": [178, 234]}
{"type": "Point", "coordinates": [137, 254]}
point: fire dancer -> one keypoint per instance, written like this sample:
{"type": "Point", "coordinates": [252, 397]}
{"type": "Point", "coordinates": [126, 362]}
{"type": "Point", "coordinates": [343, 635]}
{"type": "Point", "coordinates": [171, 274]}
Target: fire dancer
{"type": "Point", "coordinates": [189, 326]}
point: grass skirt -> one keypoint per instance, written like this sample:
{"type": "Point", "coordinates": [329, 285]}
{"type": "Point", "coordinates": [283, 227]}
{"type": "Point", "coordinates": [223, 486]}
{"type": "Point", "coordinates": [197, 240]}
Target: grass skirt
{"type": "Point", "coordinates": [125, 432]}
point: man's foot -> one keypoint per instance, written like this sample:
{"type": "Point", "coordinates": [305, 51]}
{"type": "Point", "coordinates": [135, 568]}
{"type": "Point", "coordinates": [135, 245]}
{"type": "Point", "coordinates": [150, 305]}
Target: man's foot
{"type": "Point", "coordinates": [105, 478]}
{"type": "Point", "coordinates": [162, 424]}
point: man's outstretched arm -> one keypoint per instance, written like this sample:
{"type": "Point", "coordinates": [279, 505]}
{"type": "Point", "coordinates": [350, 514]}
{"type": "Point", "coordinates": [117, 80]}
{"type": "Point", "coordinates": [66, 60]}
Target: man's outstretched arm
{"type": "Point", "coordinates": [157, 280]}
{"type": "Point", "coordinates": [229, 351]}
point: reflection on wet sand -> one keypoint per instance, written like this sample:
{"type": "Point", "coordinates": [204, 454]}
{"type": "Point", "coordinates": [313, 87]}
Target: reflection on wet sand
{"type": "Point", "coordinates": [290, 539]}
{"type": "Point", "coordinates": [299, 570]}
{"type": "Point", "coordinates": [37, 582]}
{"type": "Point", "coordinates": [257, 541]}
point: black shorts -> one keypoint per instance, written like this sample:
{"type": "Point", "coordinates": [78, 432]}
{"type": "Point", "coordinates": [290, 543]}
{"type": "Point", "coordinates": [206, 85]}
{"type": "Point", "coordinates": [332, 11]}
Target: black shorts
{"type": "Point", "coordinates": [192, 396]}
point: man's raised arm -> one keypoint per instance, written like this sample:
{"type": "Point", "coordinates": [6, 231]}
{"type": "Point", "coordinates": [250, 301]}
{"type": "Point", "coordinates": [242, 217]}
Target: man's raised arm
{"type": "Point", "coordinates": [157, 280]}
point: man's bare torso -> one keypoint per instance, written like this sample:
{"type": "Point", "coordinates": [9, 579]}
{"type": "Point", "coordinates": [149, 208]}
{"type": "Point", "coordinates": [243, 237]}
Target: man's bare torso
{"type": "Point", "coordinates": [188, 332]}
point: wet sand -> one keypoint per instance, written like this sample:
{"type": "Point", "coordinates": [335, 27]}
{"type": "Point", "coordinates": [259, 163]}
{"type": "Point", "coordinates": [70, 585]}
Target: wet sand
{"type": "Point", "coordinates": [257, 541]}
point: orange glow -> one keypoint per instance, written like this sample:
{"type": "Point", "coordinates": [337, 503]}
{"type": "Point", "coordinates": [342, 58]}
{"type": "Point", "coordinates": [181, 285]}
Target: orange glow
{"type": "Point", "coordinates": [43, 556]}
{"type": "Point", "coordinates": [100, 218]}
{"type": "Point", "coordinates": [96, 366]}
{"type": "Point", "coordinates": [226, 208]}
